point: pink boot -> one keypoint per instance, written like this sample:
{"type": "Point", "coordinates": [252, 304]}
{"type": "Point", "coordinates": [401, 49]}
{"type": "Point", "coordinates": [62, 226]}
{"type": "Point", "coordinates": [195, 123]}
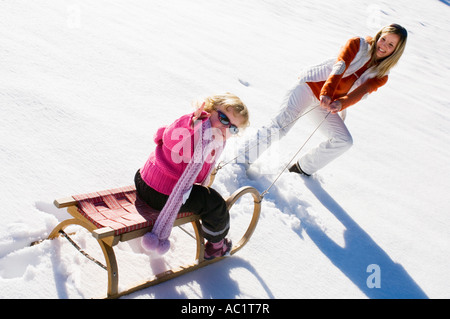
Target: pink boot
{"type": "Point", "coordinates": [219, 249]}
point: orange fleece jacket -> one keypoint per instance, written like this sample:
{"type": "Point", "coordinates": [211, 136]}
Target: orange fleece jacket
{"type": "Point", "coordinates": [337, 86]}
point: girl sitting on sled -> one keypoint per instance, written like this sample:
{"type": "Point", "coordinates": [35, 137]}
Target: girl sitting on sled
{"type": "Point", "coordinates": [174, 177]}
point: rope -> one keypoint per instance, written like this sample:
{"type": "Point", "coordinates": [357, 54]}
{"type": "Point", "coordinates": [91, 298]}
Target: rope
{"type": "Point", "coordinates": [299, 150]}
{"type": "Point", "coordinates": [222, 164]}
{"type": "Point", "coordinates": [190, 235]}
{"type": "Point", "coordinates": [85, 254]}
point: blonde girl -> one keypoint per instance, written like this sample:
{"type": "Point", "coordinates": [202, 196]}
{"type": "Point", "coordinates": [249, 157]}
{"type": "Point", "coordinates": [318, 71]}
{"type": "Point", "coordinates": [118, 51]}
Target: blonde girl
{"type": "Point", "coordinates": [174, 177]}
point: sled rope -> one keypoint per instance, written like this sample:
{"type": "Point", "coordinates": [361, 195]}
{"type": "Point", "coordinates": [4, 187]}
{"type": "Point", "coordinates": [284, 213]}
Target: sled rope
{"type": "Point", "coordinates": [222, 164]}
{"type": "Point", "coordinates": [188, 233]}
{"type": "Point", "coordinates": [248, 148]}
{"type": "Point", "coordinates": [295, 155]}
{"type": "Point", "coordinates": [85, 254]}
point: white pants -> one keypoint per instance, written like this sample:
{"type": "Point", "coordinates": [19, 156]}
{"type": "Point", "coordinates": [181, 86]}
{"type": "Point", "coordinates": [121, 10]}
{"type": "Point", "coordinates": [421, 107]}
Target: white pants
{"type": "Point", "coordinates": [299, 99]}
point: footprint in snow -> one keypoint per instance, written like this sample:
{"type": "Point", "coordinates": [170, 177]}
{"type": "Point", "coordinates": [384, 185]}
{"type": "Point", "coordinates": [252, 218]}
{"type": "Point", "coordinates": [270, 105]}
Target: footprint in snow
{"type": "Point", "coordinates": [244, 83]}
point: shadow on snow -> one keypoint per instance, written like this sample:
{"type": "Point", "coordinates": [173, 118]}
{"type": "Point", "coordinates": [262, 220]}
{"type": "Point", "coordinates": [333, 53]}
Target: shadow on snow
{"type": "Point", "coordinates": [359, 251]}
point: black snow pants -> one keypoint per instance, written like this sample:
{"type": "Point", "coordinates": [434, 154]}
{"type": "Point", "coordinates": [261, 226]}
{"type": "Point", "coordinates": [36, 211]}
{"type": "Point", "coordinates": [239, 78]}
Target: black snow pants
{"type": "Point", "coordinates": [202, 201]}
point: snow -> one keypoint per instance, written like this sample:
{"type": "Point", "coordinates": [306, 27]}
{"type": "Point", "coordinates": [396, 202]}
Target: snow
{"type": "Point", "coordinates": [85, 84]}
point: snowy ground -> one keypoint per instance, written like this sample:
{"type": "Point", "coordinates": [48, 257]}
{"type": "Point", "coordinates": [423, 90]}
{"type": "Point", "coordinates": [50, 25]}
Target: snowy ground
{"type": "Point", "coordinates": [85, 84]}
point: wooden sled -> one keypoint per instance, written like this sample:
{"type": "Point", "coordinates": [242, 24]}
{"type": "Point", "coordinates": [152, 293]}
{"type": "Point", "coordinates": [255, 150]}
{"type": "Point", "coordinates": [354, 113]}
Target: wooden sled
{"type": "Point", "coordinates": [118, 215]}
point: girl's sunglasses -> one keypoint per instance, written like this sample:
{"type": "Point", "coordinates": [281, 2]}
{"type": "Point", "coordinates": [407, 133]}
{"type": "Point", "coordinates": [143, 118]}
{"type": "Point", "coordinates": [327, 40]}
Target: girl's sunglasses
{"type": "Point", "coordinates": [226, 121]}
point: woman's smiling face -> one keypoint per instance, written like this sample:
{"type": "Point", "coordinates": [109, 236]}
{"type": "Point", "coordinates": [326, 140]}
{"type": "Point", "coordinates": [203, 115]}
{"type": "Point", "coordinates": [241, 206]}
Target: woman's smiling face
{"type": "Point", "coordinates": [386, 45]}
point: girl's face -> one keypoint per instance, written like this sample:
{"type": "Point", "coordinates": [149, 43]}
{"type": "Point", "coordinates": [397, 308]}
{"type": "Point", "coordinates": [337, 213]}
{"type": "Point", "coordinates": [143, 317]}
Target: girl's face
{"type": "Point", "coordinates": [225, 121]}
{"type": "Point", "coordinates": [386, 45]}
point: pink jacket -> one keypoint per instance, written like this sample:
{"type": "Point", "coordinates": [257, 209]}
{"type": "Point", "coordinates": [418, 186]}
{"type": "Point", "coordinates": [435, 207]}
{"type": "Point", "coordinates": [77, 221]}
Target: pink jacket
{"type": "Point", "coordinates": [174, 150]}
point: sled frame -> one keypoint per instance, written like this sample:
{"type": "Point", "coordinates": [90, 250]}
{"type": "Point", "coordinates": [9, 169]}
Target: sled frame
{"type": "Point", "coordinates": [107, 239]}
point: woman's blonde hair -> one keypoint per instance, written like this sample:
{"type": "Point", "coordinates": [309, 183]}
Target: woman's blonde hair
{"type": "Point", "coordinates": [226, 101]}
{"type": "Point", "coordinates": [383, 66]}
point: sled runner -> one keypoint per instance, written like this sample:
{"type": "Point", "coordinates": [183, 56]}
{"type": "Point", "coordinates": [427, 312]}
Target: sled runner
{"type": "Point", "coordinates": [117, 215]}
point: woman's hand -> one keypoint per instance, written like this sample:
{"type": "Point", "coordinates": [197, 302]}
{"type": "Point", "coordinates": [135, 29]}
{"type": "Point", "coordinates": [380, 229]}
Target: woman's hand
{"type": "Point", "coordinates": [335, 106]}
{"type": "Point", "coordinates": [325, 101]}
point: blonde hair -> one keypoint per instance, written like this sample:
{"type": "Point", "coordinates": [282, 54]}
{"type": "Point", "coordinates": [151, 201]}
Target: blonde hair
{"type": "Point", "coordinates": [384, 65]}
{"type": "Point", "coordinates": [226, 101]}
